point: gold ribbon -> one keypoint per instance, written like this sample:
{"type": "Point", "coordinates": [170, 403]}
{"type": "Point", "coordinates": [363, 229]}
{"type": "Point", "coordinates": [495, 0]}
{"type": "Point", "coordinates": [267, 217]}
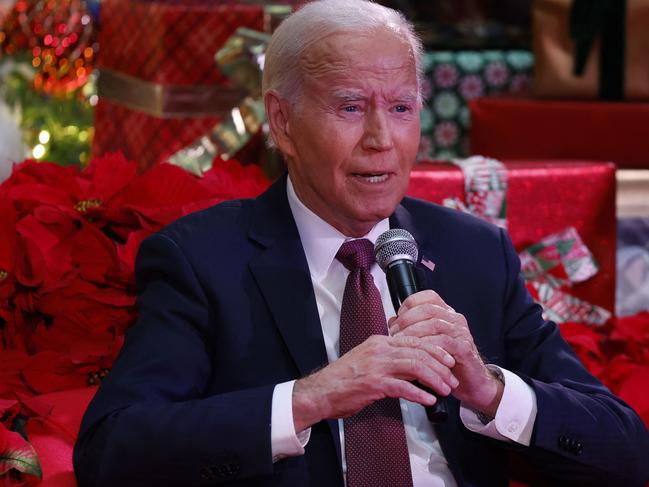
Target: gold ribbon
{"type": "Point", "coordinates": [241, 59]}
{"type": "Point", "coordinates": [166, 101]}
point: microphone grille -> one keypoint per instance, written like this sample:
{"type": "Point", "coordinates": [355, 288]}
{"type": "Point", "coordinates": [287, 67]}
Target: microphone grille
{"type": "Point", "coordinates": [395, 244]}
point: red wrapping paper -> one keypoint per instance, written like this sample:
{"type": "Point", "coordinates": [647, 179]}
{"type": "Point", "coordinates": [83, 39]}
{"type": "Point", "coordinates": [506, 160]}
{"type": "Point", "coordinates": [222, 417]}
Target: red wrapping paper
{"type": "Point", "coordinates": [544, 198]}
{"type": "Point", "coordinates": [167, 43]}
{"type": "Point", "coordinates": [141, 137]}
{"type": "Point", "coordinates": [171, 42]}
{"type": "Point", "coordinates": [506, 128]}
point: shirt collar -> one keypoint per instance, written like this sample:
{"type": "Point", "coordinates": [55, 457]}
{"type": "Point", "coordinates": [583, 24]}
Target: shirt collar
{"type": "Point", "coordinates": [319, 239]}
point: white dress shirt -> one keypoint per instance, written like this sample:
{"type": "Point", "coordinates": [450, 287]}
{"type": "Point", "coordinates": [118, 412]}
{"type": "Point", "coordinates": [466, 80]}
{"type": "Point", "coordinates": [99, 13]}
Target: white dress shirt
{"type": "Point", "coordinates": [517, 410]}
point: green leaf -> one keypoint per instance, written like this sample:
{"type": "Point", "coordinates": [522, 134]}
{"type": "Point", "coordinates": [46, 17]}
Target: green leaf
{"type": "Point", "coordinates": [16, 453]}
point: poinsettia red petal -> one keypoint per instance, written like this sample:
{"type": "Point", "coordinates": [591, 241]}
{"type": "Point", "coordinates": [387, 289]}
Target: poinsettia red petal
{"type": "Point", "coordinates": [632, 328]}
{"type": "Point", "coordinates": [17, 454]}
{"type": "Point", "coordinates": [80, 344]}
{"type": "Point", "coordinates": [30, 263]}
{"type": "Point", "coordinates": [48, 173]}
{"type": "Point", "coordinates": [11, 381]}
{"type": "Point", "coordinates": [9, 409]}
{"type": "Point", "coordinates": [34, 406]}
{"type": "Point", "coordinates": [8, 232]}
{"type": "Point", "coordinates": [94, 254]}
{"type": "Point", "coordinates": [617, 370]}
{"type": "Point", "coordinates": [633, 389]}
{"type": "Point", "coordinates": [583, 336]}
{"type": "Point", "coordinates": [109, 175]}
{"type": "Point", "coordinates": [128, 251]}
{"type": "Point", "coordinates": [164, 185]}
{"type": "Point", "coordinates": [231, 180]}
{"type": "Point", "coordinates": [50, 371]}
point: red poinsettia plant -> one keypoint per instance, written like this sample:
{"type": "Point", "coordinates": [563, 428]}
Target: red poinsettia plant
{"type": "Point", "coordinates": [67, 295]}
{"type": "Point", "coordinates": [618, 355]}
{"type": "Point", "coordinates": [67, 291]}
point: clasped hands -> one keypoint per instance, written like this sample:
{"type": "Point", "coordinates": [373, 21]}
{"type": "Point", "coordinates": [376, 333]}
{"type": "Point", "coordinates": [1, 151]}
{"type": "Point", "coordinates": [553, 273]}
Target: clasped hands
{"type": "Point", "coordinates": [429, 343]}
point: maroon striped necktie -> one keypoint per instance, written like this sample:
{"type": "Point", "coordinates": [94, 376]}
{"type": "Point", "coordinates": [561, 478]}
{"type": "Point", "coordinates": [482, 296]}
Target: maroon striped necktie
{"type": "Point", "coordinates": [376, 451]}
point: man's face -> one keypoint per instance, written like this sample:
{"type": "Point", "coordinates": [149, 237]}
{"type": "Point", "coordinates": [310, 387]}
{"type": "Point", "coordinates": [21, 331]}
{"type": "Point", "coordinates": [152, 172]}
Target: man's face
{"type": "Point", "coordinates": [354, 135]}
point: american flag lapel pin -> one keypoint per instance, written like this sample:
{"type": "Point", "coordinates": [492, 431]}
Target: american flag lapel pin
{"type": "Point", "coordinates": [428, 263]}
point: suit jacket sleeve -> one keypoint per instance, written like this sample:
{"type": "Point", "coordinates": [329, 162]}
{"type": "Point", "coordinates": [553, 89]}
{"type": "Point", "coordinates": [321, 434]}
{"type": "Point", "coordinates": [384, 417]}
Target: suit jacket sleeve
{"type": "Point", "coordinates": [152, 421]}
{"type": "Point", "coordinates": [583, 434]}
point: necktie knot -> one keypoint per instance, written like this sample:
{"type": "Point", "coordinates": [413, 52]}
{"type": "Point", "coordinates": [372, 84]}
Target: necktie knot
{"type": "Point", "coordinates": [356, 254]}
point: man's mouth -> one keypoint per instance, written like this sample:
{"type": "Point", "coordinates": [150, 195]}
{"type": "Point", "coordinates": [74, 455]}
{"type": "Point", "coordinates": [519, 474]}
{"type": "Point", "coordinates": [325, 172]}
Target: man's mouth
{"type": "Point", "coordinates": [373, 178]}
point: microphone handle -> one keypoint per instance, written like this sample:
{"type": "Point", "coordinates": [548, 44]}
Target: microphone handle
{"type": "Point", "coordinates": [402, 282]}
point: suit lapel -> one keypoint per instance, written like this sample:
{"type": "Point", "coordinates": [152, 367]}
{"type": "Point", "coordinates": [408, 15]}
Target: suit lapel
{"type": "Point", "coordinates": [282, 274]}
{"type": "Point", "coordinates": [428, 279]}
{"type": "Point", "coordinates": [447, 432]}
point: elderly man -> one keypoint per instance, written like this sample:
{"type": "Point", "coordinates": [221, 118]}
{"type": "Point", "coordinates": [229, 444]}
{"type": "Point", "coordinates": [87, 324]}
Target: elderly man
{"type": "Point", "coordinates": [263, 356]}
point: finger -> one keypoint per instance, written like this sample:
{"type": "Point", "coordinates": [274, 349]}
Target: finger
{"type": "Point", "coordinates": [415, 314]}
{"type": "Point", "coordinates": [390, 321]}
{"type": "Point", "coordinates": [427, 311]}
{"type": "Point", "coordinates": [437, 352]}
{"type": "Point", "coordinates": [462, 349]}
{"type": "Point", "coordinates": [402, 389]}
{"type": "Point", "coordinates": [420, 365]}
{"type": "Point", "coordinates": [427, 345]}
{"type": "Point", "coordinates": [425, 296]}
{"type": "Point", "coordinates": [406, 357]}
{"type": "Point", "coordinates": [430, 327]}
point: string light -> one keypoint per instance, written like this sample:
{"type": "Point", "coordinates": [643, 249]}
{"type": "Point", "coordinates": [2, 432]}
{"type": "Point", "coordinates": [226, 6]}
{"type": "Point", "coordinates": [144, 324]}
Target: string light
{"type": "Point", "coordinates": [60, 34]}
{"type": "Point", "coordinates": [59, 38]}
{"type": "Point", "coordinates": [44, 137]}
{"type": "Point", "coordinates": [39, 151]}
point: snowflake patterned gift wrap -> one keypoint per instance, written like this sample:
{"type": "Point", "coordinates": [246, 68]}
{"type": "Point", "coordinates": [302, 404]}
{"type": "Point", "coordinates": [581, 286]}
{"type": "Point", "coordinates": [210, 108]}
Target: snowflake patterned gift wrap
{"type": "Point", "coordinates": [452, 79]}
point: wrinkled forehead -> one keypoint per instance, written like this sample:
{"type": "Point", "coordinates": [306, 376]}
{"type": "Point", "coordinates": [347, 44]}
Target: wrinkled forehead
{"type": "Point", "coordinates": [382, 52]}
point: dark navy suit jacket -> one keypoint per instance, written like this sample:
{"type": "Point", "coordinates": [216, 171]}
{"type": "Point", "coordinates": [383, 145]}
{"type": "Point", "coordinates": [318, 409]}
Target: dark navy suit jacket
{"type": "Point", "coordinates": [227, 311]}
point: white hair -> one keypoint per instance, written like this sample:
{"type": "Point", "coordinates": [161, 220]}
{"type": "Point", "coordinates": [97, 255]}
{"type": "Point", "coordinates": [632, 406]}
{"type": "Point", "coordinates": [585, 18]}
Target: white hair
{"type": "Point", "coordinates": [317, 20]}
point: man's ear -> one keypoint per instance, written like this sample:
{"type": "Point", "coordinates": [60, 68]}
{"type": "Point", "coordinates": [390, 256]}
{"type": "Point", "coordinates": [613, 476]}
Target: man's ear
{"type": "Point", "coordinates": [278, 114]}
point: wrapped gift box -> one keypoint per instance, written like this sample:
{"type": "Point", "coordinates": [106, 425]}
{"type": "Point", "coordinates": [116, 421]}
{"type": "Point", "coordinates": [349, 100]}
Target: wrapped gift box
{"type": "Point", "coordinates": [632, 241]}
{"type": "Point", "coordinates": [545, 198]}
{"type": "Point", "coordinates": [632, 266]}
{"type": "Point", "coordinates": [455, 78]}
{"type": "Point", "coordinates": [159, 86]}
{"type": "Point", "coordinates": [506, 128]}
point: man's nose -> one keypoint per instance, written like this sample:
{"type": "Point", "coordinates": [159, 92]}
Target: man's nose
{"type": "Point", "coordinates": [377, 135]}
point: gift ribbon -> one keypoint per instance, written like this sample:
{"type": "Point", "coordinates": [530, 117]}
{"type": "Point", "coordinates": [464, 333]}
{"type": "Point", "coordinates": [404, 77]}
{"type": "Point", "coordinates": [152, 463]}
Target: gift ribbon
{"type": "Point", "coordinates": [166, 101]}
{"type": "Point", "coordinates": [485, 189]}
{"type": "Point", "coordinates": [550, 266]}
{"type": "Point", "coordinates": [241, 59]}
{"type": "Point", "coordinates": [554, 264]}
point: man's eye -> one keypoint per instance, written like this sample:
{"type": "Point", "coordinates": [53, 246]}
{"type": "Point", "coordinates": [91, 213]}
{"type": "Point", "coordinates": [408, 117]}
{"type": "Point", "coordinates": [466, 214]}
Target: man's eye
{"type": "Point", "coordinates": [401, 108]}
{"type": "Point", "coordinates": [350, 108]}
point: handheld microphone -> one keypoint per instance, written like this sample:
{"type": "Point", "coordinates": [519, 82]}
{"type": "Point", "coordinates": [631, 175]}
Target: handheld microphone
{"type": "Point", "coordinates": [396, 253]}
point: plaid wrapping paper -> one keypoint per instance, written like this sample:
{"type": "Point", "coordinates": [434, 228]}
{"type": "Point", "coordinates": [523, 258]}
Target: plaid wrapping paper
{"type": "Point", "coordinates": [452, 79]}
{"type": "Point", "coordinates": [164, 43]}
{"type": "Point", "coordinates": [171, 42]}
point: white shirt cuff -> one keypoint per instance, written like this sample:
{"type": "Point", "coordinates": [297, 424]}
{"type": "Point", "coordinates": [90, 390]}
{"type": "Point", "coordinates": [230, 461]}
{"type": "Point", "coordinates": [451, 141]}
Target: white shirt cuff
{"type": "Point", "coordinates": [515, 415]}
{"type": "Point", "coordinates": [284, 441]}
